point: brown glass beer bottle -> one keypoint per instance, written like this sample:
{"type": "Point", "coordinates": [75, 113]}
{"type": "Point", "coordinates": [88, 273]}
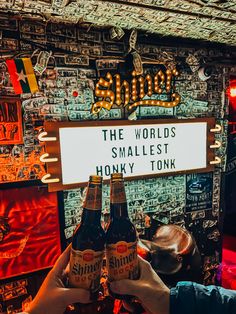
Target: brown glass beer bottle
{"type": "Point", "coordinates": [121, 236]}
{"type": "Point", "coordinates": [88, 242]}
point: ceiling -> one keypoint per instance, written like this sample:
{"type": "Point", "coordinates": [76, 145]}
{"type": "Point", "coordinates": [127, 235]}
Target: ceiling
{"type": "Point", "coordinates": [210, 20]}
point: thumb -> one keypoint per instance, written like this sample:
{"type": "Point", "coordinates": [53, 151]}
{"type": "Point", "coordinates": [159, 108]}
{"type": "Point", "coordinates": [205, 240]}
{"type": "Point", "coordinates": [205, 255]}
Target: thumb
{"type": "Point", "coordinates": [126, 286]}
{"type": "Point", "coordinates": [76, 295]}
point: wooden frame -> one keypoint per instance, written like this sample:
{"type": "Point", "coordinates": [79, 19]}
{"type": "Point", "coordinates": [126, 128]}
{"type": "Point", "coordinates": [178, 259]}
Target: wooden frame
{"type": "Point", "coordinates": [53, 147]}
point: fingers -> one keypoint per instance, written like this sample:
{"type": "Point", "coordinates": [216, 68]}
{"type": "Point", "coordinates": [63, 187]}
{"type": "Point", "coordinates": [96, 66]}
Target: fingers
{"type": "Point", "coordinates": [126, 286]}
{"type": "Point", "coordinates": [145, 267]}
{"type": "Point", "coordinates": [62, 261]}
{"type": "Point", "coordinates": [128, 306]}
{"type": "Point", "coordinates": [76, 295]}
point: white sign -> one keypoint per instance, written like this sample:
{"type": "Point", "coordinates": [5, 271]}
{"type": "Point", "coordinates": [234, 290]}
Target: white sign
{"type": "Point", "coordinates": [135, 150]}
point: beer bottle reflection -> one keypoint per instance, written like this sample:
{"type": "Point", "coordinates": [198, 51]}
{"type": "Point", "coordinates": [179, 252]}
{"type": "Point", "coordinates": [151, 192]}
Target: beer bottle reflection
{"type": "Point", "coordinates": [88, 242]}
{"type": "Point", "coordinates": [121, 237]}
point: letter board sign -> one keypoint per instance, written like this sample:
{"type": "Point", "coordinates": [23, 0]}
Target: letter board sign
{"type": "Point", "coordinates": [144, 148]}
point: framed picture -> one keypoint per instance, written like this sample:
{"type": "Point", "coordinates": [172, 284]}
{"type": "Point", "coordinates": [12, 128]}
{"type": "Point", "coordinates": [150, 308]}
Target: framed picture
{"type": "Point", "coordinates": [10, 121]}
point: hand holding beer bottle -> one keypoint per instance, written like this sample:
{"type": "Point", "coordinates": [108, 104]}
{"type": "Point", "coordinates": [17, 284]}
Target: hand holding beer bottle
{"type": "Point", "coordinates": [121, 237]}
{"type": "Point", "coordinates": [88, 242]}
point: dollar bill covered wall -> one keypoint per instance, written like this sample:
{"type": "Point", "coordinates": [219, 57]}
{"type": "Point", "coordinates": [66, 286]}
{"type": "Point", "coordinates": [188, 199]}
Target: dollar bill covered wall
{"type": "Point", "coordinates": [68, 61]}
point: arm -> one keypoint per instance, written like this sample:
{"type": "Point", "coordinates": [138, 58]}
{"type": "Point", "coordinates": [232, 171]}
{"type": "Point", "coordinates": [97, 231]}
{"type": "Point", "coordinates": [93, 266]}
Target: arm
{"type": "Point", "coordinates": [189, 297]}
{"type": "Point", "coordinates": [149, 289]}
{"type": "Point", "coordinates": [53, 297]}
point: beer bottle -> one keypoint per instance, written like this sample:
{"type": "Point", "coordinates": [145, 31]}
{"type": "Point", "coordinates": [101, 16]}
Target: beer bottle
{"type": "Point", "coordinates": [88, 242]}
{"type": "Point", "coordinates": [121, 236]}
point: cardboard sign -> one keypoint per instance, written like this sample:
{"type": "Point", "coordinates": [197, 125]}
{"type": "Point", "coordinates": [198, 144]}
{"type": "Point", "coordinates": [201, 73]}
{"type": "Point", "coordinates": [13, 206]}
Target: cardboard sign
{"type": "Point", "coordinates": [137, 149]}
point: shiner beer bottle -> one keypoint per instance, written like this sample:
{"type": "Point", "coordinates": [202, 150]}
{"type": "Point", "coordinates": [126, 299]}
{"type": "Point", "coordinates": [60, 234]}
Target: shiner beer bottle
{"type": "Point", "coordinates": [121, 237]}
{"type": "Point", "coordinates": [88, 242]}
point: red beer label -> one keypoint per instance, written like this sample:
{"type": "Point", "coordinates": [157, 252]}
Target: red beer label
{"type": "Point", "coordinates": [87, 257]}
{"type": "Point", "coordinates": [122, 260]}
{"type": "Point", "coordinates": [85, 269]}
{"type": "Point", "coordinates": [121, 248]}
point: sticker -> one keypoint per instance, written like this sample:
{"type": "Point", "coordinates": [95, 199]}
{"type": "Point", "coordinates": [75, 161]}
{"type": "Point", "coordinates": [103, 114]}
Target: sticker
{"type": "Point", "coordinates": [85, 269]}
{"type": "Point", "coordinates": [122, 261]}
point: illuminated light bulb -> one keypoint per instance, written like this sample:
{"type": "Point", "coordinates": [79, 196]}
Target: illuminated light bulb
{"type": "Point", "coordinates": [152, 102]}
{"type": "Point", "coordinates": [102, 93]}
{"type": "Point", "coordinates": [174, 103]}
{"type": "Point", "coordinates": [146, 102]}
{"type": "Point", "coordinates": [118, 89]}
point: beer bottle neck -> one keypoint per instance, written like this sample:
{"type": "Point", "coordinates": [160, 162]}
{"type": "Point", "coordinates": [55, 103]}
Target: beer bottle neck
{"type": "Point", "coordinates": [118, 203]}
{"type": "Point", "coordinates": [119, 211]}
{"type": "Point", "coordinates": [91, 217]}
{"type": "Point", "coordinates": [92, 204]}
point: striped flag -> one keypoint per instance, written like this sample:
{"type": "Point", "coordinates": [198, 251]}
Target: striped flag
{"type": "Point", "coordinates": [22, 75]}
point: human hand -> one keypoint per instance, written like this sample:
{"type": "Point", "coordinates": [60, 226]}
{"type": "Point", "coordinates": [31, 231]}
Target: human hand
{"type": "Point", "coordinates": [53, 297]}
{"type": "Point", "coordinates": [149, 289]}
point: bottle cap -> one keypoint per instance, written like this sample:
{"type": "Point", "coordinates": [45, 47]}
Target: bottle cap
{"type": "Point", "coordinates": [95, 179]}
{"type": "Point", "coordinates": [116, 176]}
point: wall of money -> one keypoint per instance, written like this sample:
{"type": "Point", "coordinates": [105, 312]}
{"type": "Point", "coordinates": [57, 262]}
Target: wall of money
{"type": "Point", "coordinates": [68, 61]}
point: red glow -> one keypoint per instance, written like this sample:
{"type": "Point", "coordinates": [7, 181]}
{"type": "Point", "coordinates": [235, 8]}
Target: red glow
{"type": "Point", "coordinates": [232, 92]}
{"type": "Point", "coordinates": [29, 230]}
{"type": "Point", "coordinates": [229, 262]}
{"type": "Point", "coordinates": [232, 89]}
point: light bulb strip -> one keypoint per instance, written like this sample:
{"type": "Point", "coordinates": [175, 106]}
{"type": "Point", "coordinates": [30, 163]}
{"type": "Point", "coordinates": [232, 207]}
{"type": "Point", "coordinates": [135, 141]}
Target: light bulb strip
{"type": "Point", "coordinates": [44, 158]}
{"type": "Point", "coordinates": [216, 161]}
{"type": "Point", "coordinates": [42, 137]}
{"type": "Point", "coordinates": [47, 178]}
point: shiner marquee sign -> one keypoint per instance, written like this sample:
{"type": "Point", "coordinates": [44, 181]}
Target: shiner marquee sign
{"type": "Point", "coordinates": [142, 148]}
{"type": "Point", "coordinates": [112, 91]}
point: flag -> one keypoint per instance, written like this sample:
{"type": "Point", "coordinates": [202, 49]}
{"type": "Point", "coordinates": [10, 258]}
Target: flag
{"type": "Point", "coordinates": [22, 75]}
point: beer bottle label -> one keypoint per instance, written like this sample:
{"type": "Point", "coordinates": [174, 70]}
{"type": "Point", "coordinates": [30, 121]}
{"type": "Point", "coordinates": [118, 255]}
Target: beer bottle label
{"type": "Point", "coordinates": [85, 269]}
{"type": "Point", "coordinates": [118, 193]}
{"type": "Point", "coordinates": [93, 199]}
{"type": "Point", "coordinates": [122, 261]}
